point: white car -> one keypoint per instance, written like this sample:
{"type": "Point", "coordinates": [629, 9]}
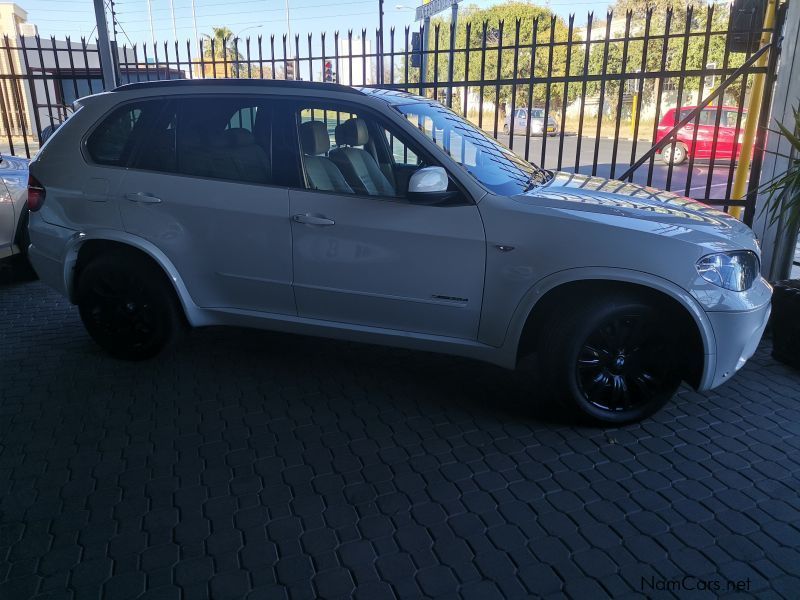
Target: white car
{"type": "Point", "coordinates": [382, 217]}
{"type": "Point", "coordinates": [13, 212]}
{"type": "Point", "coordinates": [537, 122]}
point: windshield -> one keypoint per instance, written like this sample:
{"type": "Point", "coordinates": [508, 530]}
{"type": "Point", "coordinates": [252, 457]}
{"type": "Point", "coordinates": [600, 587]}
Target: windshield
{"type": "Point", "coordinates": [492, 164]}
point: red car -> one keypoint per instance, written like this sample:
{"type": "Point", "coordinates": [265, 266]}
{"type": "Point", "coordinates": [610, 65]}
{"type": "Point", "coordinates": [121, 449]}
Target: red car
{"type": "Point", "coordinates": [725, 145]}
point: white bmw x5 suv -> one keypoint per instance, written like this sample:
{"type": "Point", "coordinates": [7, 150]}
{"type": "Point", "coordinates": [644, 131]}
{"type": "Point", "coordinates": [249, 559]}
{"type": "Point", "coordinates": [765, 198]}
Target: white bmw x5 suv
{"type": "Point", "coordinates": [382, 217]}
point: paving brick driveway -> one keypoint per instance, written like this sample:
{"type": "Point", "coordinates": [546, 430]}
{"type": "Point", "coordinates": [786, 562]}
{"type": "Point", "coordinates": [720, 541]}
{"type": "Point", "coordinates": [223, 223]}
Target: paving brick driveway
{"type": "Point", "coordinates": [258, 465]}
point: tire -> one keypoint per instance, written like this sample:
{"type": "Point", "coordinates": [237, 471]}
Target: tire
{"type": "Point", "coordinates": [674, 154]}
{"type": "Point", "coordinates": [614, 360]}
{"type": "Point", "coordinates": [128, 306]}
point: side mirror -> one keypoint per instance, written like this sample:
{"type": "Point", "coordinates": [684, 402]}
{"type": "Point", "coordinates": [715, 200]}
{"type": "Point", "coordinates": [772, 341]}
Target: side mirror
{"type": "Point", "coordinates": [428, 180]}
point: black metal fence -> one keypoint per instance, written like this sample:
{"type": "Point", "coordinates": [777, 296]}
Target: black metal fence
{"type": "Point", "coordinates": [598, 97]}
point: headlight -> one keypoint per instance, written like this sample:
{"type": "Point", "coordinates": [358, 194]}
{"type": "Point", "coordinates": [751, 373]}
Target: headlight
{"type": "Point", "coordinates": [731, 270]}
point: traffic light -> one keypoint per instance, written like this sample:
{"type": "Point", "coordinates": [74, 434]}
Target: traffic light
{"type": "Point", "coordinates": [328, 75]}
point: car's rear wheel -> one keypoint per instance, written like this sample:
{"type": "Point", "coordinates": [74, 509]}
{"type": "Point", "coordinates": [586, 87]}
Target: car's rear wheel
{"type": "Point", "coordinates": [128, 306]}
{"type": "Point", "coordinates": [614, 360]}
{"type": "Point", "coordinates": [674, 154]}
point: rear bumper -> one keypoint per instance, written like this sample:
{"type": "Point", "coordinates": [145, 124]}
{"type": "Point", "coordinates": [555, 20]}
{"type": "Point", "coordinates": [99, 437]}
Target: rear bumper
{"type": "Point", "coordinates": [737, 335]}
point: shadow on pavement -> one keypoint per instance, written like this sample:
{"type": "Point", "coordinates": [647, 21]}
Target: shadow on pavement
{"type": "Point", "coordinates": [16, 269]}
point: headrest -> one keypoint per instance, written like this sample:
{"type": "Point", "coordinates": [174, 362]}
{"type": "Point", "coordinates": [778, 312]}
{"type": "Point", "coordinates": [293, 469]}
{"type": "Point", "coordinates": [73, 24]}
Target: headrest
{"type": "Point", "coordinates": [352, 132]}
{"type": "Point", "coordinates": [237, 137]}
{"type": "Point", "coordinates": [314, 137]}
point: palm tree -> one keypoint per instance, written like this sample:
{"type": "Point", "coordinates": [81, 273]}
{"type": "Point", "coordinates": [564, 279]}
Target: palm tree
{"type": "Point", "coordinates": [219, 49]}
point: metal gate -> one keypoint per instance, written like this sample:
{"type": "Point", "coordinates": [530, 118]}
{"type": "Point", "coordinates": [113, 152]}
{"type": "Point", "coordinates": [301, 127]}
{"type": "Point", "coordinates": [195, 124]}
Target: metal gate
{"type": "Point", "coordinates": [613, 97]}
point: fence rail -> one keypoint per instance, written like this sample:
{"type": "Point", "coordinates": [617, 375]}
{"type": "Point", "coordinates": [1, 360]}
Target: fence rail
{"type": "Point", "coordinates": [604, 87]}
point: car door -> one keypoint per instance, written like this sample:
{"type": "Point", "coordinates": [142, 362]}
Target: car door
{"type": "Point", "coordinates": [201, 188]}
{"type": "Point", "coordinates": [363, 254]}
{"type": "Point", "coordinates": [708, 136]}
{"type": "Point", "coordinates": [728, 144]}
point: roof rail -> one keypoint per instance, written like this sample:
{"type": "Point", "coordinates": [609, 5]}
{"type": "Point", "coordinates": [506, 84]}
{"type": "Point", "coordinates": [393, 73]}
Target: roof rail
{"type": "Point", "coordinates": [269, 83]}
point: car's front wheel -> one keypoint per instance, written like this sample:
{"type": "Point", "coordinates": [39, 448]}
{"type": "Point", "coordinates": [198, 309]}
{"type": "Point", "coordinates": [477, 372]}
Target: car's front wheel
{"type": "Point", "coordinates": [128, 306]}
{"type": "Point", "coordinates": [614, 359]}
{"type": "Point", "coordinates": [674, 154]}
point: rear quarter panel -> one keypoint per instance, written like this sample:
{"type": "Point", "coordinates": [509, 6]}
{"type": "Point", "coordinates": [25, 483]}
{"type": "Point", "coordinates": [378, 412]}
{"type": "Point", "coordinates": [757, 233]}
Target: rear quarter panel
{"type": "Point", "coordinates": [82, 202]}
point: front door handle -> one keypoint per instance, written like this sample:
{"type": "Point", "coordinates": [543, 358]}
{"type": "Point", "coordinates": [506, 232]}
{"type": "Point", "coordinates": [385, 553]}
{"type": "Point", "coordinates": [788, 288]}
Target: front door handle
{"type": "Point", "coordinates": [143, 197]}
{"type": "Point", "coordinates": [308, 219]}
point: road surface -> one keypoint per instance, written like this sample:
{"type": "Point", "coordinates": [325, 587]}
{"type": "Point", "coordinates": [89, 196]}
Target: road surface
{"type": "Point", "coordinates": [718, 187]}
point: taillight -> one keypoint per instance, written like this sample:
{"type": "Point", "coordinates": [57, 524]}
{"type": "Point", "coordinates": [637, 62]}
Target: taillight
{"type": "Point", "coordinates": [36, 194]}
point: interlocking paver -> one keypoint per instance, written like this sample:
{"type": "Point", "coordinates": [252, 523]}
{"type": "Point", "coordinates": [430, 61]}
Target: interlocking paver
{"type": "Point", "coordinates": [257, 465]}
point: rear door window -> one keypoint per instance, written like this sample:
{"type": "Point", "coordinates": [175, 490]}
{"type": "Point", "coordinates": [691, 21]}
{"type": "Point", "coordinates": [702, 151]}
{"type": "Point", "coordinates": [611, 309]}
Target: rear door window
{"type": "Point", "coordinates": [113, 140]}
{"type": "Point", "coordinates": [225, 138]}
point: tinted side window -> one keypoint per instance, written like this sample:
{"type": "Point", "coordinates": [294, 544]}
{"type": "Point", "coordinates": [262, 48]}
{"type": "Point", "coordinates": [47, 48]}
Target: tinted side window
{"type": "Point", "coordinates": [224, 138]}
{"type": "Point", "coordinates": [113, 140]}
{"type": "Point", "coordinates": [158, 151]}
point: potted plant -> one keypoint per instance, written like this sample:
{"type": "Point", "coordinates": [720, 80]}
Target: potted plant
{"type": "Point", "coordinates": [783, 208]}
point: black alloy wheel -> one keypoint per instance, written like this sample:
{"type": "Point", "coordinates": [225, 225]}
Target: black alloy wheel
{"type": "Point", "coordinates": [128, 307]}
{"type": "Point", "coordinates": [623, 364]}
{"type": "Point", "coordinates": [615, 359]}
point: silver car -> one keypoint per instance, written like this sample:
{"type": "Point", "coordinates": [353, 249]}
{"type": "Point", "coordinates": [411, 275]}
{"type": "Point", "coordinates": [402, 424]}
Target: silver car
{"type": "Point", "coordinates": [520, 117]}
{"type": "Point", "coordinates": [382, 217]}
{"type": "Point", "coordinates": [13, 212]}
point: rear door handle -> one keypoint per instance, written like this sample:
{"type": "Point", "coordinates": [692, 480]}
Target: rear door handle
{"type": "Point", "coordinates": [307, 219]}
{"type": "Point", "coordinates": [143, 197]}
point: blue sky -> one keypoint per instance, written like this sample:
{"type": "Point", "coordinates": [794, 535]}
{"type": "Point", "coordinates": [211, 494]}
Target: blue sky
{"type": "Point", "coordinates": [246, 17]}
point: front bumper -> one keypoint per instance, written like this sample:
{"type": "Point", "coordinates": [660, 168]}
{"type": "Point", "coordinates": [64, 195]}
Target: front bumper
{"type": "Point", "coordinates": [737, 335]}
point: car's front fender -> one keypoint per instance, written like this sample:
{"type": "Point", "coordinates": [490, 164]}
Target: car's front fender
{"type": "Point", "coordinates": [541, 288]}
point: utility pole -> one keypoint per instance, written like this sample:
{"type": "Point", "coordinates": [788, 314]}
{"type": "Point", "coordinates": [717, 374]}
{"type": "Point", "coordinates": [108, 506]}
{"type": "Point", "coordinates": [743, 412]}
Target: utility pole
{"type": "Point", "coordinates": [174, 28]}
{"type": "Point", "coordinates": [453, 24]}
{"type": "Point", "coordinates": [380, 41]}
{"type": "Point", "coordinates": [104, 46]}
{"type": "Point", "coordinates": [113, 20]}
{"type": "Point", "coordinates": [423, 67]}
{"type": "Point", "coordinates": [194, 24]}
{"type": "Point", "coordinates": [288, 29]}
{"type": "Point", "coordinates": [150, 17]}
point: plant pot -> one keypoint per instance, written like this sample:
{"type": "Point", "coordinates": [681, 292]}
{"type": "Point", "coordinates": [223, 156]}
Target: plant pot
{"type": "Point", "coordinates": [786, 322]}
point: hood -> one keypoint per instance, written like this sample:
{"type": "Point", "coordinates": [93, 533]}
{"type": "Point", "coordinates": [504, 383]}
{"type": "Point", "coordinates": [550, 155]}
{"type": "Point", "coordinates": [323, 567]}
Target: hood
{"type": "Point", "coordinates": [643, 208]}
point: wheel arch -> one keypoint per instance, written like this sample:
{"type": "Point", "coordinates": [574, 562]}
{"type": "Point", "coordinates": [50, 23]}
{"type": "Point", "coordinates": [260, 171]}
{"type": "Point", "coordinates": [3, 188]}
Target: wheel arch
{"type": "Point", "coordinates": [86, 246]}
{"type": "Point", "coordinates": [572, 285]}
